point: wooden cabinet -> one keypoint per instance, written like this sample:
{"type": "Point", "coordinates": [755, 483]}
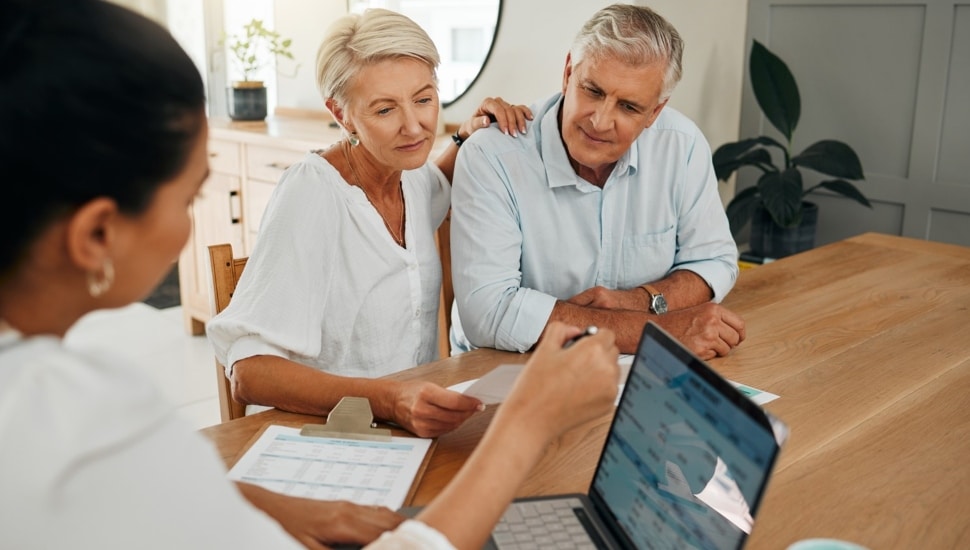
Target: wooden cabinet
{"type": "Point", "coordinates": [216, 218]}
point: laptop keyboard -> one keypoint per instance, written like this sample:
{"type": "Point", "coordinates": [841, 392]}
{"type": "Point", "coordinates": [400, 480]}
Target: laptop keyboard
{"type": "Point", "coordinates": [542, 524]}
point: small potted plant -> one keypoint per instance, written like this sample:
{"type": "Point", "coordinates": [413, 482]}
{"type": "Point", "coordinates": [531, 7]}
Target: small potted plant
{"type": "Point", "coordinates": [256, 47]}
{"type": "Point", "coordinates": [782, 221]}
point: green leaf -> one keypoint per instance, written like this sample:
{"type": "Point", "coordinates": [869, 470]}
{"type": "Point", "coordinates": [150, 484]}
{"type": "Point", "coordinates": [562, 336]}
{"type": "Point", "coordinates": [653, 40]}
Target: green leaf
{"type": "Point", "coordinates": [781, 193]}
{"type": "Point", "coordinates": [832, 158]}
{"type": "Point", "coordinates": [729, 153]}
{"type": "Point", "coordinates": [758, 157]}
{"type": "Point", "coordinates": [845, 188]}
{"type": "Point", "coordinates": [741, 207]}
{"type": "Point", "coordinates": [775, 89]}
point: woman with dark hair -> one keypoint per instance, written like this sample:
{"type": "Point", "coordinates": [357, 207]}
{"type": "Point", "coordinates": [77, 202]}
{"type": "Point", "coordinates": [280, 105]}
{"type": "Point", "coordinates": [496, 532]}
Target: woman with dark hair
{"type": "Point", "coordinates": [103, 146]}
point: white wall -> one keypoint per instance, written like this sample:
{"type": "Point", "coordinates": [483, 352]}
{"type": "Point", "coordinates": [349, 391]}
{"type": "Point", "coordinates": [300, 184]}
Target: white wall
{"type": "Point", "coordinates": [305, 21]}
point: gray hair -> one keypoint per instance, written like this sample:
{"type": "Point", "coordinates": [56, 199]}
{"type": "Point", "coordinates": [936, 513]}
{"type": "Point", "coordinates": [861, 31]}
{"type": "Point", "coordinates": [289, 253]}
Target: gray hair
{"type": "Point", "coordinates": [634, 34]}
{"type": "Point", "coordinates": [357, 40]}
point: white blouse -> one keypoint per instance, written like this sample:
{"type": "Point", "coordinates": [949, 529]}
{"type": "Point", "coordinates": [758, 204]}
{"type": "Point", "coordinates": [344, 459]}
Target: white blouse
{"type": "Point", "coordinates": [327, 286]}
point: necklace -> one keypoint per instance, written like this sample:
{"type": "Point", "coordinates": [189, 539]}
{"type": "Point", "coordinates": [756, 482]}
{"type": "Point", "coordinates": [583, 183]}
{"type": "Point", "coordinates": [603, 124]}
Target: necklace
{"type": "Point", "coordinates": [394, 235]}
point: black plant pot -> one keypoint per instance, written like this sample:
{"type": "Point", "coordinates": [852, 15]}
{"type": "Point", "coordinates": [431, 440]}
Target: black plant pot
{"type": "Point", "coordinates": [247, 101]}
{"type": "Point", "coordinates": [770, 240]}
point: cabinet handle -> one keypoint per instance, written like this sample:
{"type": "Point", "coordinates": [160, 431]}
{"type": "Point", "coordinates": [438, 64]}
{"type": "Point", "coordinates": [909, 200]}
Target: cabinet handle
{"type": "Point", "coordinates": [234, 207]}
{"type": "Point", "coordinates": [213, 154]}
{"type": "Point", "coordinates": [278, 165]}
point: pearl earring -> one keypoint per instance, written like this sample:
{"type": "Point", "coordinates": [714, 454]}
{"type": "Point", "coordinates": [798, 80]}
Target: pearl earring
{"type": "Point", "coordinates": [100, 281]}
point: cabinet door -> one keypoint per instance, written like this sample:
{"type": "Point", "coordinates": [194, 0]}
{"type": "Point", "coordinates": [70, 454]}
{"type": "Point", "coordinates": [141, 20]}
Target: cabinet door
{"type": "Point", "coordinates": [256, 196]}
{"type": "Point", "coordinates": [216, 217]}
{"type": "Point", "coordinates": [264, 166]}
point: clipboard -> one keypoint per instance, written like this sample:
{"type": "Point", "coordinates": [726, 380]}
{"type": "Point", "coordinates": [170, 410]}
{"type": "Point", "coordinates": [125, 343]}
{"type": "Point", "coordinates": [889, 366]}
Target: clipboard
{"type": "Point", "coordinates": [351, 418]}
{"type": "Point", "coordinates": [348, 458]}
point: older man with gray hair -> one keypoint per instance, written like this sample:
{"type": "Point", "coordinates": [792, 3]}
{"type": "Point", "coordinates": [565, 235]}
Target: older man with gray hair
{"type": "Point", "coordinates": [606, 214]}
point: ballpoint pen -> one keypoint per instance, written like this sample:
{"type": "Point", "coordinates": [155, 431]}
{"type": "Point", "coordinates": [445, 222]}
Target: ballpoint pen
{"type": "Point", "coordinates": [590, 330]}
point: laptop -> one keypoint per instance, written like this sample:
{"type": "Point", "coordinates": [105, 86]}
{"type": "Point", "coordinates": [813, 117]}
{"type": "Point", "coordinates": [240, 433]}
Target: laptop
{"type": "Point", "coordinates": [685, 464]}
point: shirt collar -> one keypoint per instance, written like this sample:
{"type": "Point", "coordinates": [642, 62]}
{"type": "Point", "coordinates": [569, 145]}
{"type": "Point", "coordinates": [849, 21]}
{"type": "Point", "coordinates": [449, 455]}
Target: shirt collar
{"type": "Point", "coordinates": [8, 334]}
{"type": "Point", "coordinates": [559, 172]}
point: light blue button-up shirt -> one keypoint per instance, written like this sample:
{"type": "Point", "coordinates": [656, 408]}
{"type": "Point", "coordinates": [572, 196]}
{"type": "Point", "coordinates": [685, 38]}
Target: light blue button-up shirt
{"type": "Point", "coordinates": [527, 231]}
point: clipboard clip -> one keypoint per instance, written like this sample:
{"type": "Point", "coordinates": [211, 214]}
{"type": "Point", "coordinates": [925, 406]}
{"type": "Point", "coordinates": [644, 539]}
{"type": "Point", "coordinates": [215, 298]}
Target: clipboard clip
{"type": "Point", "coordinates": [352, 418]}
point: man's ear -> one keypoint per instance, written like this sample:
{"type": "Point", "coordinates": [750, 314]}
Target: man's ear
{"type": "Point", "coordinates": [655, 113]}
{"type": "Point", "coordinates": [566, 72]}
{"type": "Point", "coordinates": [91, 231]}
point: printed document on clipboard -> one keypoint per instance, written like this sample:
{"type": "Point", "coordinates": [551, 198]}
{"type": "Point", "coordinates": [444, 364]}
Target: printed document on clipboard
{"type": "Point", "coordinates": [366, 470]}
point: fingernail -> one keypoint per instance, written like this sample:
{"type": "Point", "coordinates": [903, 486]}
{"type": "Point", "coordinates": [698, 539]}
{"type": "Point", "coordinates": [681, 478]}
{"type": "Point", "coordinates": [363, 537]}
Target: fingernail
{"type": "Point", "coordinates": [480, 407]}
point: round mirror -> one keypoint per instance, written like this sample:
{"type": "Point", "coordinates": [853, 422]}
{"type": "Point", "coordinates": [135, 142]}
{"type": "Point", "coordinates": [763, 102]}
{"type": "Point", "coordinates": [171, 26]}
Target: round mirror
{"type": "Point", "coordinates": [462, 30]}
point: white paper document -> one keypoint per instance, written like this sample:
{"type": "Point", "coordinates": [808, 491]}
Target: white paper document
{"type": "Point", "coordinates": [324, 468]}
{"type": "Point", "coordinates": [496, 385]}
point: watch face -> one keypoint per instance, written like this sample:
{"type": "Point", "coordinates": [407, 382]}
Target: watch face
{"type": "Point", "coordinates": [659, 305]}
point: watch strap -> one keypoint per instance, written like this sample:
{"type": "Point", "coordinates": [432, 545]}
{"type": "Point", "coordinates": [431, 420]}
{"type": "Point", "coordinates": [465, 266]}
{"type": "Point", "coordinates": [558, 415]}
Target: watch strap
{"type": "Point", "coordinates": [457, 138]}
{"type": "Point", "coordinates": [654, 295]}
{"type": "Point", "coordinates": [650, 289]}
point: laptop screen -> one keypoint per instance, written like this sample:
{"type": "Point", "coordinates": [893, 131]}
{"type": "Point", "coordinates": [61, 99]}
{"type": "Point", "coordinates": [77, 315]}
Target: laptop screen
{"type": "Point", "coordinates": [687, 457]}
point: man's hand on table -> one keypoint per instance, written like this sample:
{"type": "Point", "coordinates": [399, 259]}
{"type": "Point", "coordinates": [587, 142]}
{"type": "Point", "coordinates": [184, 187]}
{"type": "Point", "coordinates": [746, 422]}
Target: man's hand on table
{"type": "Point", "coordinates": [709, 330]}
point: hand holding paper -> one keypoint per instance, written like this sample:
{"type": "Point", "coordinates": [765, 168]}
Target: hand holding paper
{"type": "Point", "coordinates": [492, 388]}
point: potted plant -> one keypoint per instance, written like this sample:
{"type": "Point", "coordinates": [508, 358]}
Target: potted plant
{"type": "Point", "coordinates": [782, 221]}
{"type": "Point", "coordinates": [256, 47]}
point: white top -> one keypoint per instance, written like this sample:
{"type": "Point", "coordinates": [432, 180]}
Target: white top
{"type": "Point", "coordinates": [92, 457]}
{"type": "Point", "coordinates": [527, 231]}
{"type": "Point", "coordinates": [327, 286]}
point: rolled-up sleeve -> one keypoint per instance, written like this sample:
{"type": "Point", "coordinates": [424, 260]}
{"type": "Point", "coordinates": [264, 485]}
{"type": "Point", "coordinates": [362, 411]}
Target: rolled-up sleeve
{"type": "Point", "coordinates": [705, 245]}
{"type": "Point", "coordinates": [281, 297]}
{"type": "Point", "coordinates": [486, 248]}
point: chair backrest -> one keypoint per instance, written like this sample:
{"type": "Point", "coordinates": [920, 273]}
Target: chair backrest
{"type": "Point", "coordinates": [226, 271]}
{"type": "Point", "coordinates": [447, 290]}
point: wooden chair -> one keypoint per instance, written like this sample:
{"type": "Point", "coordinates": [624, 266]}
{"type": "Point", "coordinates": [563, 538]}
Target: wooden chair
{"type": "Point", "coordinates": [226, 271]}
{"type": "Point", "coordinates": [447, 289]}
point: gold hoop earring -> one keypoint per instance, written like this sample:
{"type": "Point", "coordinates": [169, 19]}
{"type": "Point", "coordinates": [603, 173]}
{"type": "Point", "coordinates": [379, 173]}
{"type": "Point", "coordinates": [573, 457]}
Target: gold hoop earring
{"type": "Point", "coordinates": [353, 139]}
{"type": "Point", "coordinates": [100, 281]}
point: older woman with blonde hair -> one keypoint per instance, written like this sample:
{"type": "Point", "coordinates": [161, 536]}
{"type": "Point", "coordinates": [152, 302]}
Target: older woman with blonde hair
{"type": "Point", "coordinates": [343, 285]}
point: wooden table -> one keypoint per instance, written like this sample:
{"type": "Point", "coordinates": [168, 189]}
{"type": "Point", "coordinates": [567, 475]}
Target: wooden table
{"type": "Point", "coordinates": [865, 340]}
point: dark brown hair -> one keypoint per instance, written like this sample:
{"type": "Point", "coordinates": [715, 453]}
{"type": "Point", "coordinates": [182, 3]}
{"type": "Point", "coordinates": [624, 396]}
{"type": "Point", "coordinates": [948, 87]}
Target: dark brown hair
{"type": "Point", "coordinates": [95, 101]}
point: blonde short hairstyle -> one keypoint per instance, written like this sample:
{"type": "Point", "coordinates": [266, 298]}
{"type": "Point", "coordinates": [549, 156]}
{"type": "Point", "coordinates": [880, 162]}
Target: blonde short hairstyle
{"type": "Point", "coordinates": [634, 34]}
{"type": "Point", "coordinates": [358, 40]}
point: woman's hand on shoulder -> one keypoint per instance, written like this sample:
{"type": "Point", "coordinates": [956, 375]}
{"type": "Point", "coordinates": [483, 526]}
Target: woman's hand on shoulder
{"type": "Point", "coordinates": [511, 119]}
